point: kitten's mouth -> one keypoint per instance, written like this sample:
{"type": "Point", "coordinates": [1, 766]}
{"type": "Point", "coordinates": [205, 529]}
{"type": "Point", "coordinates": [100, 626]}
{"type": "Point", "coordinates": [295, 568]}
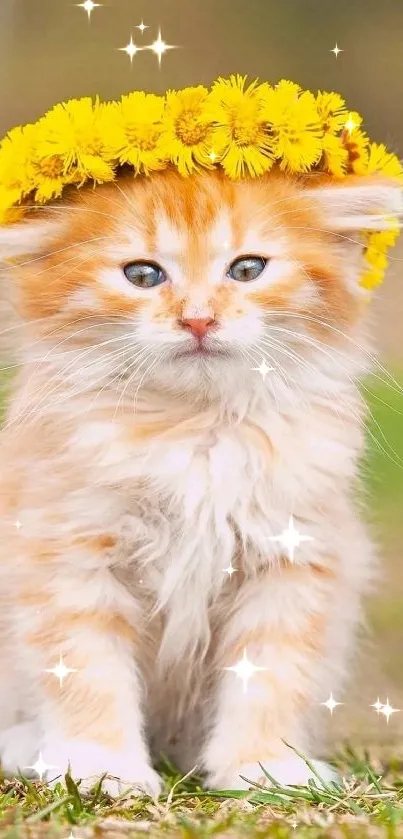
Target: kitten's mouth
{"type": "Point", "coordinates": [200, 351]}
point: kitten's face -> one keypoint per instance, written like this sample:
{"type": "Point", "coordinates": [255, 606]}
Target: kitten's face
{"type": "Point", "coordinates": [200, 275]}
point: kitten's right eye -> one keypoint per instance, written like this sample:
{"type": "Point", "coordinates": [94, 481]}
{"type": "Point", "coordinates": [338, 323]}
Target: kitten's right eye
{"type": "Point", "coordinates": [144, 274]}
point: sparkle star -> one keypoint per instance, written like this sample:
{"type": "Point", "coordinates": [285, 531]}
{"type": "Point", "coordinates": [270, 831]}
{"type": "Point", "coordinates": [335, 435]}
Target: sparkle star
{"type": "Point", "coordinates": [131, 49]}
{"type": "Point", "coordinates": [142, 27]}
{"type": "Point", "coordinates": [264, 369]}
{"type": "Point", "coordinates": [290, 538]}
{"type": "Point", "coordinates": [377, 705]}
{"type": "Point", "coordinates": [244, 669]}
{"type": "Point", "coordinates": [41, 767]}
{"type": "Point", "coordinates": [17, 524]}
{"type": "Point", "coordinates": [349, 125]}
{"type": "Point", "coordinates": [212, 156]}
{"type": "Point", "coordinates": [336, 50]}
{"type": "Point", "coordinates": [61, 671]}
{"type": "Point", "coordinates": [159, 47]}
{"type": "Point", "coordinates": [230, 570]}
{"type": "Point", "coordinates": [88, 7]}
{"type": "Point", "coordinates": [387, 710]}
{"type": "Point", "coordinates": [331, 703]}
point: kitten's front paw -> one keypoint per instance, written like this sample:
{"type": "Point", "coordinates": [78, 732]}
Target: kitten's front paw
{"type": "Point", "coordinates": [292, 770]}
{"type": "Point", "coordinates": [88, 763]}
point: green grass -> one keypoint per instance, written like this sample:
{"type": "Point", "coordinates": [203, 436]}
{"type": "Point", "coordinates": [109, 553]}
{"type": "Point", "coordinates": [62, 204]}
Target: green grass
{"type": "Point", "coordinates": [368, 802]}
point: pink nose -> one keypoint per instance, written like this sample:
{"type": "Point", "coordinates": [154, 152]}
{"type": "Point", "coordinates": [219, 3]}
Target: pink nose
{"type": "Point", "coordinates": [198, 326]}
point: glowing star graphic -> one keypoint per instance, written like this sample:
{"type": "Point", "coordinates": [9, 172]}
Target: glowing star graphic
{"type": "Point", "coordinates": [131, 49]}
{"type": "Point", "coordinates": [88, 7]}
{"type": "Point", "coordinates": [17, 524]}
{"type": "Point", "coordinates": [387, 710]}
{"type": "Point", "coordinates": [377, 705]}
{"type": "Point", "coordinates": [230, 570]}
{"type": "Point", "coordinates": [61, 671]}
{"type": "Point", "coordinates": [244, 669]}
{"type": "Point", "coordinates": [349, 125]}
{"type": "Point", "coordinates": [159, 47]}
{"type": "Point", "coordinates": [264, 369]}
{"type": "Point", "coordinates": [331, 703]}
{"type": "Point", "coordinates": [40, 767]}
{"type": "Point", "coordinates": [290, 538]}
{"type": "Point", "coordinates": [212, 156]}
{"type": "Point", "coordinates": [142, 27]}
{"type": "Point", "coordinates": [336, 50]}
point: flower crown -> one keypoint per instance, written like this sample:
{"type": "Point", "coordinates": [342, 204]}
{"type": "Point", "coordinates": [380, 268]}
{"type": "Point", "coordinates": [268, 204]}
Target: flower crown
{"type": "Point", "coordinates": [244, 130]}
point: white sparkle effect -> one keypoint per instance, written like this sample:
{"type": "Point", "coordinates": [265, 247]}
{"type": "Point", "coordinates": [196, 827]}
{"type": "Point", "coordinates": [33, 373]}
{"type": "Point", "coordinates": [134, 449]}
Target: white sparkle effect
{"type": "Point", "coordinates": [377, 705]}
{"type": "Point", "coordinates": [349, 125]}
{"type": "Point", "coordinates": [61, 671]}
{"type": "Point", "coordinates": [40, 767]}
{"type": "Point", "coordinates": [212, 156]}
{"type": "Point", "coordinates": [244, 669]}
{"type": "Point", "coordinates": [336, 50]}
{"type": "Point", "coordinates": [159, 47]}
{"type": "Point", "coordinates": [230, 570]}
{"type": "Point", "coordinates": [331, 703]}
{"type": "Point", "coordinates": [387, 710]}
{"type": "Point", "coordinates": [290, 538]}
{"type": "Point", "coordinates": [131, 49]}
{"type": "Point", "coordinates": [88, 7]}
{"type": "Point", "coordinates": [263, 369]}
{"type": "Point", "coordinates": [142, 27]}
{"type": "Point", "coordinates": [17, 524]}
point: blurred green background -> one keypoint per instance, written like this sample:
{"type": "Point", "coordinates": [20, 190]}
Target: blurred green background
{"type": "Point", "coordinates": [49, 51]}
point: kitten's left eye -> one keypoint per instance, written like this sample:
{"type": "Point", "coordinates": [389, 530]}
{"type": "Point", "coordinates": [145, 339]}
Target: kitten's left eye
{"type": "Point", "coordinates": [247, 268]}
{"type": "Point", "coordinates": [144, 274]}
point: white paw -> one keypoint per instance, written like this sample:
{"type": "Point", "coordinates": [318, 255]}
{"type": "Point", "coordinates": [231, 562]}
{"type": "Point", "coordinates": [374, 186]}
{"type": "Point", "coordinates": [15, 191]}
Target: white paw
{"type": "Point", "coordinates": [292, 770]}
{"type": "Point", "coordinates": [19, 746]}
{"type": "Point", "coordinates": [89, 762]}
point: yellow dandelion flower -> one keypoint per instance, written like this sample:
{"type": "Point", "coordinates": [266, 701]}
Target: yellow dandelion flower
{"type": "Point", "coordinates": [380, 160]}
{"type": "Point", "coordinates": [189, 127]}
{"type": "Point", "coordinates": [240, 130]}
{"type": "Point", "coordinates": [77, 133]}
{"type": "Point", "coordinates": [15, 160]}
{"type": "Point", "coordinates": [8, 199]}
{"type": "Point", "coordinates": [332, 112]}
{"type": "Point", "coordinates": [356, 143]}
{"type": "Point", "coordinates": [294, 124]}
{"type": "Point", "coordinates": [335, 156]}
{"type": "Point", "coordinates": [139, 132]}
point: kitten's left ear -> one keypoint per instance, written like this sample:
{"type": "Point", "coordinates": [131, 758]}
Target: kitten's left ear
{"type": "Point", "coordinates": [358, 203]}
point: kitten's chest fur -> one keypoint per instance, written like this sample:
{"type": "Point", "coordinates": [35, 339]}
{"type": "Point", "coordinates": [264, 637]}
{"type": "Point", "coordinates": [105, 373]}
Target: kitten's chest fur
{"type": "Point", "coordinates": [199, 502]}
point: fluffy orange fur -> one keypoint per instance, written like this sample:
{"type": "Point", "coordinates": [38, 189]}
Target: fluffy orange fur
{"type": "Point", "coordinates": [133, 476]}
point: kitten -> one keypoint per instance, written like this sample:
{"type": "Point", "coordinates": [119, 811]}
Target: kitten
{"type": "Point", "coordinates": [150, 461]}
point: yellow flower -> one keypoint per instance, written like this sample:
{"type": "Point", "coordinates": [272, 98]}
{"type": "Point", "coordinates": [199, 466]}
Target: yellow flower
{"type": "Point", "coordinates": [335, 156]}
{"type": "Point", "coordinates": [189, 127]}
{"type": "Point", "coordinates": [240, 132]}
{"type": "Point", "coordinates": [15, 160]}
{"type": "Point", "coordinates": [356, 143]}
{"type": "Point", "coordinates": [138, 125]}
{"type": "Point", "coordinates": [332, 111]}
{"type": "Point", "coordinates": [378, 244]}
{"type": "Point", "coordinates": [380, 160]}
{"type": "Point", "coordinates": [293, 120]}
{"type": "Point", "coordinates": [74, 139]}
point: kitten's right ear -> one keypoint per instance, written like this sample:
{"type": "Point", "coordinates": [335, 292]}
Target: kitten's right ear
{"type": "Point", "coordinates": [27, 237]}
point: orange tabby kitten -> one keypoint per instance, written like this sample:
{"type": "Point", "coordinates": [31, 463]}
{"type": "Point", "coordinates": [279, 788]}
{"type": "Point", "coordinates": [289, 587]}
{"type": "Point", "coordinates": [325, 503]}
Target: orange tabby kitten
{"type": "Point", "coordinates": [148, 468]}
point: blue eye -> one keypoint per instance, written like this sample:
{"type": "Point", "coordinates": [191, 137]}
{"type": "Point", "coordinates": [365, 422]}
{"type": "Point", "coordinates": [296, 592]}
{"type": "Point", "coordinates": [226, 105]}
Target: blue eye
{"type": "Point", "coordinates": [144, 274]}
{"type": "Point", "coordinates": [247, 268]}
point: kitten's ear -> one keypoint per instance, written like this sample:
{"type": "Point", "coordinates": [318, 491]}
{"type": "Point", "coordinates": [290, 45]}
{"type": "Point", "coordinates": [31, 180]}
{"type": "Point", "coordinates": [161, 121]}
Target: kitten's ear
{"type": "Point", "coordinates": [358, 204]}
{"type": "Point", "coordinates": [27, 237]}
